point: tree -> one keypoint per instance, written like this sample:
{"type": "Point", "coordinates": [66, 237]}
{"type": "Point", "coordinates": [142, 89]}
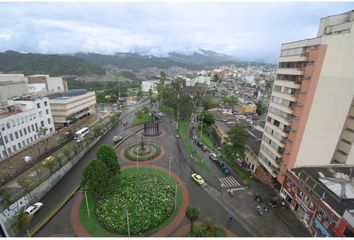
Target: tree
{"type": "Point", "coordinates": [150, 94]}
{"type": "Point", "coordinates": [108, 156]}
{"type": "Point", "coordinates": [237, 138]}
{"type": "Point", "coordinates": [208, 229]}
{"type": "Point", "coordinates": [178, 83]}
{"type": "Point", "coordinates": [160, 86]}
{"type": "Point", "coordinates": [230, 100]}
{"type": "Point", "coordinates": [71, 118]}
{"type": "Point", "coordinates": [208, 118]}
{"type": "Point", "coordinates": [209, 102]}
{"type": "Point", "coordinates": [97, 178]}
{"type": "Point", "coordinates": [192, 214]}
{"type": "Point", "coordinates": [22, 221]}
{"type": "Point", "coordinates": [185, 107]}
{"type": "Point", "coordinates": [261, 108]}
{"type": "Point", "coordinates": [139, 95]}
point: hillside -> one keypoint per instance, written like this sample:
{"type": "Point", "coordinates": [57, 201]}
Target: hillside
{"type": "Point", "coordinates": [54, 65]}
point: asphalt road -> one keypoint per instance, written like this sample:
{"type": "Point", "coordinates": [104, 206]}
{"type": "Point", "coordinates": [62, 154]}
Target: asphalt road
{"type": "Point", "coordinates": [213, 200]}
{"type": "Point", "coordinates": [72, 178]}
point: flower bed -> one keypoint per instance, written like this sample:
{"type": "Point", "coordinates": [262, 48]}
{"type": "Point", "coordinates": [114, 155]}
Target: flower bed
{"type": "Point", "coordinates": [129, 152]}
{"type": "Point", "coordinates": [146, 196]}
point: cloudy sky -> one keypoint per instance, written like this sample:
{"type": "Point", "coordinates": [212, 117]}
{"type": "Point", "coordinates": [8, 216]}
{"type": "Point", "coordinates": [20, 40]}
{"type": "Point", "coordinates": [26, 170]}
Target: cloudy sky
{"type": "Point", "coordinates": [245, 30]}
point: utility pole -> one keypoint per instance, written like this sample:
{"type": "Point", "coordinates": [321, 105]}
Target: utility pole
{"type": "Point", "coordinates": [126, 211]}
{"type": "Point", "coordinates": [87, 206]}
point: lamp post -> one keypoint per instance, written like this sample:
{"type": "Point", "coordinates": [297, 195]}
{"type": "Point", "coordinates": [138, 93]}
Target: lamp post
{"type": "Point", "coordinates": [87, 206]}
{"type": "Point", "coordinates": [126, 212]}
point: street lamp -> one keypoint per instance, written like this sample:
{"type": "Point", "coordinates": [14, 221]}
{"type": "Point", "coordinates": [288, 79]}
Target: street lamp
{"type": "Point", "coordinates": [126, 211]}
{"type": "Point", "coordinates": [87, 205]}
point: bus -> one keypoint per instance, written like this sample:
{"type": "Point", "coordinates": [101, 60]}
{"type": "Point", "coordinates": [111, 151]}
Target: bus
{"type": "Point", "coordinates": [79, 135]}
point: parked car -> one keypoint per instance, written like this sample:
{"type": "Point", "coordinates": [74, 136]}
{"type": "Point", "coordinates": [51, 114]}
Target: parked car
{"type": "Point", "coordinates": [31, 210]}
{"type": "Point", "coordinates": [198, 179]}
{"type": "Point", "coordinates": [199, 143]}
{"type": "Point", "coordinates": [117, 139]}
{"type": "Point", "coordinates": [213, 156]}
{"type": "Point", "coordinates": [125, 123]}
{"type": "Point", "coordinates": [227, 171]}
{"type": "Point", "coordinates": [222, 165]}
{"type": "Point", "coordinates": [205, 148]}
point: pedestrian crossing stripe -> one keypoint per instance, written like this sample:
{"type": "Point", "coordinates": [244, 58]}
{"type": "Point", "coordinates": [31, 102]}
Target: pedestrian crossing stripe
{"type": "Point", "coordinates": [228, 182]}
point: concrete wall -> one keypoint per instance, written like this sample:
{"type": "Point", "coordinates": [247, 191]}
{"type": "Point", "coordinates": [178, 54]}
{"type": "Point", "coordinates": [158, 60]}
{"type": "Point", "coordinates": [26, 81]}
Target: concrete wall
{"type": "Point", "coordinates": [332, 99]}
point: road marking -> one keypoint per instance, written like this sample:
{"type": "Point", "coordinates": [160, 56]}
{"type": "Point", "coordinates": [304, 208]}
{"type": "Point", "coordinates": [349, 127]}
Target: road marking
{"type": "Point", "coordinates": [227, 182]}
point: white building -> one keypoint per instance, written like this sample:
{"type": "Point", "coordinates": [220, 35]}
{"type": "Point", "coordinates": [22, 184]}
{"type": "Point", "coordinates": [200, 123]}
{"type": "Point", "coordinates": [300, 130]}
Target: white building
{"type": "Point", "coordinates": [202, 79]}
{"type": "Point", "coordinates": [12, 85]}
{"type": "Point", "coordinates": [149, 84]}
{"type": "Point", "coordinates": [22, 123]}
{"type": "Point", "coordinates": [51, 84]}
{"type": "Point", "coordinates": [78, 103]}
{"type": "Point", "coordinates": [249, 79]}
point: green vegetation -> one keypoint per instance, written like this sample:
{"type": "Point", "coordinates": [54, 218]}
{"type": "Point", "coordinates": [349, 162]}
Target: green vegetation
{"type": "Point", "coordinates": [261, 108]}
{"type": "Point", "coordinates": [208, 229]}
{"type": "Point", "coordinates": [237, 138]}
{"type": "Point", "coordinates": [131, 155]}
{"type": "Point", "coordinates": [151, 195]}
{"type": "Point", "coordinates": [54, 65]}
{"type": "Point", "coordinates": [192, 214]}
{"type": "Point", "coordinates": [141, 117]}
{"type": "Point", "coordinates": [108, 156]}
{"type": "Point", "coordinates": [97, 178]}
{"type": "Point", "coordinates": [168, 111]}
{"type": "Point", "coordinates": [195, 155]}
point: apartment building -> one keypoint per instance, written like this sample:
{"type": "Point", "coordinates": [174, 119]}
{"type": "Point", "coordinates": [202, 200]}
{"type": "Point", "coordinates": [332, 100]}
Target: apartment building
{"type": "Point", "coordinates": [149, 84]}
{"type": "Point", "coordinates": [22, 122]}
{"type": "Point", "coordinates": [310, 119]}
{"type": "Point", "coordinates": [77, 103]}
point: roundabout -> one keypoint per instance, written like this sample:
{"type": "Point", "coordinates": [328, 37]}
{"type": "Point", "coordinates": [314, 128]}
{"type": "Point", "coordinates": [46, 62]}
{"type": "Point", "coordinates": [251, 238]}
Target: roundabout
{"type": "Point", "coordinates": [153, 203]}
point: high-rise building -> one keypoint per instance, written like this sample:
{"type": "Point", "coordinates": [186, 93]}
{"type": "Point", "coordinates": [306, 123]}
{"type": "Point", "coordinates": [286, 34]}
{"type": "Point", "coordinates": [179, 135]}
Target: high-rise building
{"type": "Point", "coordinates": [311, 113]}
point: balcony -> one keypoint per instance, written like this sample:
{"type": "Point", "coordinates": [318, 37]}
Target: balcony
{"type": "Point", "coordinates": [296, 58]}
{"type": "Point", "coordinates": [270, 148]}
{"type": "Point", "coordinates": [286, 122]}
{"type": "Point", "coordinates": [290, 71]}
{"type": "Point", "coordinates": [288, 110]}
{"type": "Point", "coordinates": [289, 97]}
{"type": "Point", "coordinates": [270, 136]}
{"type": "Point", "coordinates": [276, 129]}
{"type": "Point", "coordinates": [270, 170]}
{"type": "Point", "coordinates": [289, 84]}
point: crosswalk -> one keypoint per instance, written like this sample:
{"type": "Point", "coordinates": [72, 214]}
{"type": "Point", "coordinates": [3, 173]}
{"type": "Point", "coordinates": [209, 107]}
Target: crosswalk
{"type": "Point", "coordinates": [228, 182]}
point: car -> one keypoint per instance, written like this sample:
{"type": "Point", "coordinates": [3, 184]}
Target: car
{"type": "Point", "coordinates": [199, 143]}
{"type": "Point", "coordinates": [198, 179]}
{"type": "Point", "coordinates": [48, 160]}
{"type": "Point", "coordinates": [222, 165]}
{"type": "Point", "coordinates": [227, 171]}
{"type": "Point", "coordinates": [117, 139]}
{"type": "Point", "coordinates": [125, 123]}
{"type": "Point", "coordinates": [205, 148]}
{"type": "Point", "coordinates": [31, 210]}
{"type": "Point", "coordinates": [177, 136]}
{"type": "Point", "coordinates": [213, 157]}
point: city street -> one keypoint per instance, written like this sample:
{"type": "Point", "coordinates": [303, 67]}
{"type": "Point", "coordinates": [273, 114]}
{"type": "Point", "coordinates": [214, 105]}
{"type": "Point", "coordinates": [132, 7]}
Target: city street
{"type": "Point", "coordinates": [247, 223]}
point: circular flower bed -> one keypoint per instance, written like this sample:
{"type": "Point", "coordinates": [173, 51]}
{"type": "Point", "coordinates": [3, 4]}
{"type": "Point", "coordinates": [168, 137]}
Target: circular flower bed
{"type": "Point", "coordinates": [152, 151]}
{"type": "Point", "coordinates": [147, 197]}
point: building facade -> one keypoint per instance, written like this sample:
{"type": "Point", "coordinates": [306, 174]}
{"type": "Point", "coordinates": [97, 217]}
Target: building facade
{"type": "Point", "coordinates": [22, 123]}
{"type": "Point", "coordinates": [322, 199]}
{"type": "Point", "coordinates": [73, 103]}
{"type": "Point", "coordinates": [51, 84]}
{"type": "Point", "coordinates": [12, 85]}
{"type": "Point", "coordinates": [149, 84]}
{"type": "Point", "coordinates": [310, 119]}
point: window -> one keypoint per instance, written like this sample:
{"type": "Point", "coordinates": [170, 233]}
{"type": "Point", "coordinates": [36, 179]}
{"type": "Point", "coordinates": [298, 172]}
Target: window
{"type": "Point", "coordinates": [8, 125]}
{"type": "Point", "coordinates": [9, 150]}
{"type": "Point", "coordinates": [3, 127]}
{"type": "Point", "coordinates": [51, 129]}
{"type": "Point", "coordinates": [11, 137]}
{"type": "Point", "coordinates": [31, 139]}
{"type": "Point", "coordinates": [19, 145]}
{"type": "Point", "coordinates": [32, 126]}
{"type": "Point", "coordinates": [328, 221]}
{"type": "Point", "coordinates": [21, 133]}
{"type": "Point", "coordinates": [25, 131]}
{"type": "Point", "coordinates": [42, 123]}
{"type": "Point", "coordinates": [29, 129]}
{"type": "Point", "coordinates": [306, 199]}
{"type": "Point", "coordinates": [16, 135]}
{"type": "Point", "coordinates": [48, 120]}
{"type": "Point", "coordinates": [38, 105]}
{"type": "Point", "coordinates": [14, 147]}
{"type": "Point", "coordinates": [23, 143]}
{"type": "Point", "coordinates": [6, 139]}
{"type": "Point", "coordinates": [321, 213]}
{"type": "Point", "coordinates": [27, 140]}
{"type": "Point", "coordinates": [47, 111]}
{"type": "Point", "coordinates": [45, 103]}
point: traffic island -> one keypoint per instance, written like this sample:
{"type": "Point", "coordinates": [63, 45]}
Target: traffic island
{"type": "Point", "coordinates": [145, 198]}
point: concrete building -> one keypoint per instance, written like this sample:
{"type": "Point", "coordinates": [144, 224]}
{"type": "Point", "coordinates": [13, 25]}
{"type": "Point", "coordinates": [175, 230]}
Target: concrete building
{"type": "Point", "coordinates": [22, 122]}
{"type": "Point", "coordinates": [322, 198]}
{"type": "Point", "coordinates": [12, 85]}
{"type": "Point", "coordinates": [50, 84]}
{"type": "Point", "coordinates": [311, 114]}
{"type": "Point", "coordinates": [202, 79]}
{"type": "Point", "coordinates": [149, 84]}
{"type": "Point", "coordinates": [78, 103]}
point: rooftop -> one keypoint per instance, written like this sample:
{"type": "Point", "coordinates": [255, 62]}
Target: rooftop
{"type": "Point", "coordinates": [333, 184]}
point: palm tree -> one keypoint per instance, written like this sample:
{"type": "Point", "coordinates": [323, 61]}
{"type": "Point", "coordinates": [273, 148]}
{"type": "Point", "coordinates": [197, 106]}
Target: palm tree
{"type": "Point", "coordinates": [192, 214]}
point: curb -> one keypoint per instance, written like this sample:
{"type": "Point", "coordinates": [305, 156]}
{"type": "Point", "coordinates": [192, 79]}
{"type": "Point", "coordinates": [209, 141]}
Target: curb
{"type": "Point", "coordinates": [53, 211]}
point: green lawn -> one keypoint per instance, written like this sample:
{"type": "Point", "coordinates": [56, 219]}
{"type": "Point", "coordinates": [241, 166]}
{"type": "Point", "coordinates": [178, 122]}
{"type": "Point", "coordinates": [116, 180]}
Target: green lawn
{"type": "Point", "coordinates": [145, 118]}
{"type": "Point", "coordinates": [195, 155]}
{"type": "Point", "coordinates": [94, 228]}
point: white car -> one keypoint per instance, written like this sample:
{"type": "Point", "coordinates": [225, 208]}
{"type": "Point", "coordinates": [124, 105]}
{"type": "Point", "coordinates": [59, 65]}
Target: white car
{"type": "Point", "coordinates": [117, 139]}
{"type": "Point", "coordinates": [34, 208]}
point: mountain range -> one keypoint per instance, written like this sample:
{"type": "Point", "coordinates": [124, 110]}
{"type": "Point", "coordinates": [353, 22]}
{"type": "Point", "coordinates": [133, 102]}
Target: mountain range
{"type": "Point", "coordinates": [93, 63]}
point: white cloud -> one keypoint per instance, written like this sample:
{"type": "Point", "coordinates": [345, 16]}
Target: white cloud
{"type": "Point", "coordinates": [249, 30]}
